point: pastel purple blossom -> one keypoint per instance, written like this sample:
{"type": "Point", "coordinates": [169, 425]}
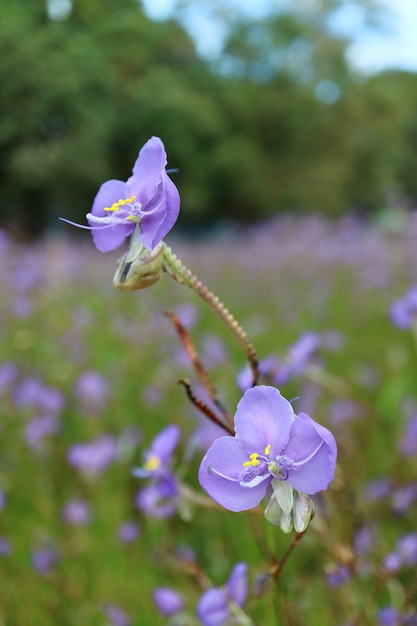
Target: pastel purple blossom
{"type": "Point", "coordinates": [157, 458]}
{"type": "Point", "coordinates": [76, 512]}
{"type": "Point", "coordinates": [44, 559]}
{"type": "Point", "coordinates": [271, 444]}
{"type": "Point", "coordinates": [158, 499]}
{"type": "Point", "coordinates": [148, 200]}
{"type": "Point", "coordinates": [213, 608]}
{"type": "Point", "coordinates": [8, 374]}
{"type": "Point", "coordinates": [167, 601]}
{"type": "Point", "coordinates": [128, 531]}
{"type": "Point", "coordinates": [408, 444]}
{"type": "Point", "coordinates": [5, 547]}
{"type": "Point", "coordinates": [403, 312]}
{"type": "Point", "coordinates": [388, 616]}
{"type": "Point", "coordinates": [94, 456]}
{"type": "Point", "coordinates": [40, 427]}
{"type": "Point", "coordinates": [338, 575]}
{"type": "Point", "coordinates": [116, 615]}
{"type": "Point", "coordinates": [92, 390]}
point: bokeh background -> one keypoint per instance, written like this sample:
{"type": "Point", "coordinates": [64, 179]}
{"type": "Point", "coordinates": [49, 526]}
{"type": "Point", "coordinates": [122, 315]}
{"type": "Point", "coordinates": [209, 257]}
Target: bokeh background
{"type": "Point", "coordinates": [262, 113]}
{"type": "Point", "coordinates": [297, 177]}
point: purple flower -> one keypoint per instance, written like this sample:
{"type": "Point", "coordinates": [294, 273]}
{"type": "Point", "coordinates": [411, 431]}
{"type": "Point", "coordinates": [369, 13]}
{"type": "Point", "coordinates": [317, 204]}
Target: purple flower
{"type": "Point", "coordinates": [128, 532]}
{"type": "Point", "coordinates": [388, 616]}
{"type": "Point", "coordinates": [338, 575]}
{"type": "Point", "coordinates": [116, 615]}
{"type": "Point", "coordinates": [408, 444]}
{"type": "Point", "coordinates": [43, 559]}
{"type": "Point", "coordinates": [268, 367]}
{"type": "Point", "coordinates": [273, 451]}
{"type": "Point", "coordinates": [40, 427]}
{"type": "Point", "coordinates": [148, 200]}
{"type": "Point", "coordinates": [94, 456]}
{"type": "Point", "coordinates": [76, 512]}
{"type": "Point", "coordinates": [167, 601]}
{"type": "Point", "coordinates": [403, 311]}
{"type": "Point", "coordinates": [213, 608]}
{"type": "Point", "coordinates": [5, 547]}
{"type": "Point", "coordinates": [93, 390]}
{"type": "Point", "coordinates": [407, 548]}
{"type": "Point", "coordinates": [157, 458]}
{"type": "Point", "coordinates": [159, 497]}
{"type": "Point", "coordinates": [8, 374]}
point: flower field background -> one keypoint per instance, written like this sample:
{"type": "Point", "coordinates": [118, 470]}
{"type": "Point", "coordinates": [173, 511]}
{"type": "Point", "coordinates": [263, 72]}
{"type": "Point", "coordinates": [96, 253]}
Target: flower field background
{"type": "Point", "coordinates": [88, 377]}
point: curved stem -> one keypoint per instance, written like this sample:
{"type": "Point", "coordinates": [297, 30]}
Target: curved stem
{"type": "Point", "coordinates": [179, 272]}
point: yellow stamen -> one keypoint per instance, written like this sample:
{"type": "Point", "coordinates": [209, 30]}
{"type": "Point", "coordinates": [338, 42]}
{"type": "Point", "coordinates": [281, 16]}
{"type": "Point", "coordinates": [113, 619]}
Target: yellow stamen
{"type": "Point", "coordinates": [116, 205]}
{"type": "Point", "coordinates": [152, 463]}
{"type": "Point", "coordinates": [253, 460]}
{"type": "Point", "coordinates": [267, 449]}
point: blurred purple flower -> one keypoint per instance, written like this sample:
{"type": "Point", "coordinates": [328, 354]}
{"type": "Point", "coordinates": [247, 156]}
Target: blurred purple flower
{"type": "Point", "coordinates": [5, 547]}
{"type": "Point", "coordinates": [28, 392]}
{"type": "Point", "coordinates": [403, 312]}
{"type": "Point", "coordinates": [407, 549]}
{"type": "Point", "coordinates": [392, 562]}
{"type": "Point", "coordinates": [403, 498]}
{"type": "Point", "coordinates": [40, 427]}
{"type": "Point", "coordinates": [8, 374]}
{"type": "Point", "coordinates": [363, 540]}
{"type": "Point", "coordinates": [76, 512]}
{"type": "Point", "coordinates": [148, 200]}
{"type": "Point", "coordinates": [92, 390]}
{"type": "Point", "coordinates": [2, 499]}
{"type": "Point", "coordinates": [128, 531]}
{"type": "Point", "coordinates": [268, 367]}
{"type": "Point", "coordinates": [378, 488]}
{"type": "Point", "coordinates": [338, 575]}
{"type": "Point", "coordinates": [159, 497]}
{"type": "Point", "coordinates": [187, 314]}
{"type": "Point", "coordinates": [43, 559]}
{"type": "Point", "coordinates": [408, 444]}
{"type": "Point", "coordinates": [94, 456]}
{"type": "Point", "coordinates": [31, 392]}
{"type": "Point", "coordinates": [300, 353]}
{"type": "Point", "coordinates": [214, 351]}
{"type": "Point", "coordinates": [388, 616]}
{"type": "Point", "coordinates": [273, 450]}
{"type": "Point", "coordinates": [213, 608]}
{"type": "Point", "coordinates": [116, 615]}
{"type": "Point", "coordinates": [167, 601]}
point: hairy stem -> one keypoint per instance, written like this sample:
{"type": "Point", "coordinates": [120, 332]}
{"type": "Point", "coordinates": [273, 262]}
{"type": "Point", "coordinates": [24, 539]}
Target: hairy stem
{"type": "Point", "coordinates": [179, 272]}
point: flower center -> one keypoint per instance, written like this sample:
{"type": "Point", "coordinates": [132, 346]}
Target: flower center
{"type": "Point", "coordinates": [152, 463]}
{"type": "Point", "coordinates": [114, 216]}
{"type": "Point", "coordinates": [116, 205]}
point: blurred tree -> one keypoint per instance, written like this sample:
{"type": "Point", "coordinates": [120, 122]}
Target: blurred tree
{"type": "Point", "coordinates": [277, 122]}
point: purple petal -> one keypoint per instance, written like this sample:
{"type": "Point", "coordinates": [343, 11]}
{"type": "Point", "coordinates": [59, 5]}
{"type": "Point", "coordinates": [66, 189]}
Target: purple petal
{"type": "Point", "coordinates": [263, 418]}
{"type": "Point", "coordinates": [237, 585]}
{"type": "Point", "coordinates": [111, 191]}
{"type": "Point", "coordinates": [226, 457]}
{"type": "Point", "coordinates": [109, 237]}
{"type": "Point", "coordinates": [147, 169]}
{"type": "Point", "coordinates": [167, 601]}
{"type": "Point", "coordinates": [212, 609]}
{"type": "Point", "coordinates": [172, 209]}
{"type": "Point", "coordinates": [165, 443]}
{"type": "Point", "coordinates": [313, 448]}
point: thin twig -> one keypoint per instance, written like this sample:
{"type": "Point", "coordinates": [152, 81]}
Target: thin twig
{"type": "Point", "coordinates": [197, 364]}
{"type": "Point", "coordinates": [203, 407]}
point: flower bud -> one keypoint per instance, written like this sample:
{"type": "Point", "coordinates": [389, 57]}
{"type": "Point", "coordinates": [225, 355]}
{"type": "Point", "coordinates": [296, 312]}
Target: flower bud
{"type": "Point", "coordinates": [139, 267]}
{"type": "Point", "coordinates": [303, 511]}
